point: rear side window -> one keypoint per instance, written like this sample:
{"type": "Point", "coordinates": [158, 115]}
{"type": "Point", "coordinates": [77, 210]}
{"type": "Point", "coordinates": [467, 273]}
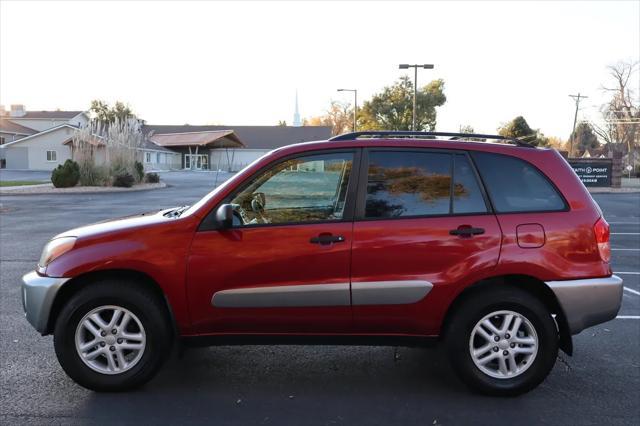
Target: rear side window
{"type": "Point", "coordinates": [515, 185]}
{"type": "Point", "coordinates": [467, 197]}
{"type": "Point", "coordinates": [408, 183]}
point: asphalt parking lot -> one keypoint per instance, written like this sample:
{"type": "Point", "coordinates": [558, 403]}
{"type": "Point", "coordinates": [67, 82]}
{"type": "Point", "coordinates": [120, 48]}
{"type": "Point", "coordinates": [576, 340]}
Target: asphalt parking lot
{"type": "Point", "coordinates": [301, 385]}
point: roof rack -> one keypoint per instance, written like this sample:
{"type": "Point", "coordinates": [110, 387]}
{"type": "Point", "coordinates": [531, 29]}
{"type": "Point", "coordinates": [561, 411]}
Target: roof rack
{"type": "Point", "coordinates": [432, 135]}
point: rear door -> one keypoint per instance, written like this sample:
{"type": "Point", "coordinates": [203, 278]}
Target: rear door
{"type": "Point", "coordinates": [423, 227]}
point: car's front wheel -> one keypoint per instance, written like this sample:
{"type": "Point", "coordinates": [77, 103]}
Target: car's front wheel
{"type": "Point", "coordinates": [112, 336]}
{"type": "Point", "coordinates": [502, 341]}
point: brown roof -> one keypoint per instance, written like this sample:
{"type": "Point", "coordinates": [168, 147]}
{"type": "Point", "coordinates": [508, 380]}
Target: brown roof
{"type": "Point", "coordinates": [260, 137]}
{"type": "Point", "coordinates": [214, 139]}
{"type": "Point", "coordinates": [11, 127]}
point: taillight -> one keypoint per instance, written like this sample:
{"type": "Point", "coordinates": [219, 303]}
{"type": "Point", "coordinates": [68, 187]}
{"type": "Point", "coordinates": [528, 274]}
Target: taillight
{"type": "Point", "coordinates": [601, 229]}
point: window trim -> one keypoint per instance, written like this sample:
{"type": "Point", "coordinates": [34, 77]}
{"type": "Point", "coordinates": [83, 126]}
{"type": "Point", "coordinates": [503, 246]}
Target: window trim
{"type": "Point", "coordinates": [360, 212]}
{"type": "Point", "coordinates": [566, 208]}
{"type": "Point", "coordinates": [55, 155]}
{"type": "Point", "coordinates": [209, 223]}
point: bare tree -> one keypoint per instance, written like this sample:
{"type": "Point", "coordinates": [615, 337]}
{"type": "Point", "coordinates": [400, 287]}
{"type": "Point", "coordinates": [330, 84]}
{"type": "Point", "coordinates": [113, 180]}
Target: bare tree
{"type": "Point", "coordinates": [622, 112]}
{"type": "Point", "coordinates": [339, 116]}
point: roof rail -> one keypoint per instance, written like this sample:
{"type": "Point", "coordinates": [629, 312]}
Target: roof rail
{"type": "Point", "coordinates": [432, 135]}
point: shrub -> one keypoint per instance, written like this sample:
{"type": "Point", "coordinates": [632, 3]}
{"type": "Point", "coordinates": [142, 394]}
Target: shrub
{"type": "Point", "coordinates": [123, 179]}
{"type": "Point", "coordinates": [152, 178]}
{"type": "Point", "coordinates": [66, 175]}
{"type": "Point", "coordinates": [139, 171]}
{"type": "Point", "coordinates": [93, 175]}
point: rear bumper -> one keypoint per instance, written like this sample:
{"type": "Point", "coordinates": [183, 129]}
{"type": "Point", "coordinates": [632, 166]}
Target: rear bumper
{"type": "Point", "coordinates": [38, 294]}
{"type": "Point", "coordinates": [588, 302]}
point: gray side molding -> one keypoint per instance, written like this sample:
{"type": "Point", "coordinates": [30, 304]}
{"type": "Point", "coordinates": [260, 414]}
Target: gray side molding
{"type": "Point", "coordinates": [284, 296]}
{"type": "Point", "coordinates": [389, 292]}
{"type": "Point", "coordinates": [362, 293]}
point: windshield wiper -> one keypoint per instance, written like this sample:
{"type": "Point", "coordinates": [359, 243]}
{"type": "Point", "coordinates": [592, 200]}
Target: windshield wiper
{"type": "Point", "coordinates": [176, 212]}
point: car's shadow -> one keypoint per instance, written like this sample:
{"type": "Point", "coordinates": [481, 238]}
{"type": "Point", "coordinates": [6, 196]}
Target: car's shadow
{"type": "Point", "coordinates": [240, 384]}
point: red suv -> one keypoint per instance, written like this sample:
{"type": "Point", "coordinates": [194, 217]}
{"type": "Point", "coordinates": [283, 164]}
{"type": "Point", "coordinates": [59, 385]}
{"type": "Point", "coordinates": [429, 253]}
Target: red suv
{"type": "Point", "coordinates": [401, 238]}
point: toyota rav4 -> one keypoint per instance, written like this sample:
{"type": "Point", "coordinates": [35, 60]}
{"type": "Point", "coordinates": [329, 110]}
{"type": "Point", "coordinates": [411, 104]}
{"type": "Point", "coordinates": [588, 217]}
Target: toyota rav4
{"type": "Point", "coordinates": [398, 238]}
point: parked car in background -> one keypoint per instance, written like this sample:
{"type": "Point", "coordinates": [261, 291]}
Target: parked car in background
{"type": "Point", "coordinates": [496, 250]}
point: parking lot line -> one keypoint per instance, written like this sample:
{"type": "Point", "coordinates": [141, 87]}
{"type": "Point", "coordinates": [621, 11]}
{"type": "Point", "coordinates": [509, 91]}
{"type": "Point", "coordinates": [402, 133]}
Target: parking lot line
{"type": "Point", "coordinates": [630, 290]}
{"type": "Point", "coordinates": [624, 223]}
{"type": "Point", "coordinates": [628, 317]}
{"type": "Point", "coordinates": [625, 249]}
{"type": "Point", "coordinates": [625, 233]}
{"type": "Point", "coordinates": [627, 273]}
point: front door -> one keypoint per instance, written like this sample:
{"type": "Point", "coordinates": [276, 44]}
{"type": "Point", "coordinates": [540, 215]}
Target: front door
{"type": "Point", "coordinates": [419, 233]}
{"type": "Point", "coordinates": [284, 265]}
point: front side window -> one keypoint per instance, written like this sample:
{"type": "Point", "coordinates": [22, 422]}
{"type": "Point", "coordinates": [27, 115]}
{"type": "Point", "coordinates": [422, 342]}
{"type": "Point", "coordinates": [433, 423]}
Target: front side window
{"type": "Point", "coordinates": [515, 185]}
{"type": "Point", "coordinates": [408, 183]}
{"type": "Point", "coordinates": [51, 156]}
{"type": "Point", "coordinates": [304, 189]}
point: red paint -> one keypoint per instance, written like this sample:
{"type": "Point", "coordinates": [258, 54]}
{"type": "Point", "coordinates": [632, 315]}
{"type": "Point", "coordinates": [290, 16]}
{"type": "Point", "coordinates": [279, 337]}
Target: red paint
{"type": "Point", "coordinates": [530, 235]}
{"type": "Point", "coordinates": [189, 266]}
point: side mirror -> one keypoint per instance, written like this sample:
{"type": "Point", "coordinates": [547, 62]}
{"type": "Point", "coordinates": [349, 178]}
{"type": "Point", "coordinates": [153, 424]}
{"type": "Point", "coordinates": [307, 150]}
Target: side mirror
{"type": "Point", "coordinates": [224, 216]}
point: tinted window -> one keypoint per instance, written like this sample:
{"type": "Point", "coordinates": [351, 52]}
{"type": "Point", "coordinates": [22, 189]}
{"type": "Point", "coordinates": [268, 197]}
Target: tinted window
{"type": "Point", "coordinates": [408, 183]}
{"type": "Point", "coordinates": [515, 185]}
{"type": "Point", "coordinates": [298, 190]}
{"type": "Point", "coordinates": [467, 197]}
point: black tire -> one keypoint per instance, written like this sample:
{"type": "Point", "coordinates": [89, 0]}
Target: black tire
{"type": "Point", "coordinates": [482, 303]}
{"type": "Point", "coordinates": [151, 313]}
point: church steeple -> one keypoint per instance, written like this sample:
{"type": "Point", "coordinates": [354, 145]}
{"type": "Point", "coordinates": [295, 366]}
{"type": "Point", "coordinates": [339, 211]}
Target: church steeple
{"type": "Point", "coordinates": [296, 114]}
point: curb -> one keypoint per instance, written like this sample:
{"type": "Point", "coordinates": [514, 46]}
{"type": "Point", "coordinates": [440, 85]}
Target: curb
{"type": "Point", "coordinates": [109, 191]}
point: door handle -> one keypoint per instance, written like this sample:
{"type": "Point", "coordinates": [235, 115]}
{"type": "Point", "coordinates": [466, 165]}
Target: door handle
{"type": "Point", "coordinates": [466, 231]}
{"type": "Point", "coordinates": [326, 239]}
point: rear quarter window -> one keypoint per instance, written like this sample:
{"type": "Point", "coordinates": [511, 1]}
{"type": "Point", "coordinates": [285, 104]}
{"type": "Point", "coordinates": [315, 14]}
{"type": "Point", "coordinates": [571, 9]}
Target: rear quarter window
{"type": "Point", "coordinates": [516, 186]}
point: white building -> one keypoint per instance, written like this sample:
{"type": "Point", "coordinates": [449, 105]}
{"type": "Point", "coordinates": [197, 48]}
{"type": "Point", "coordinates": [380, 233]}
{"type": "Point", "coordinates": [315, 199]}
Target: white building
{"type": "Point", "coordinates": [36, 140]}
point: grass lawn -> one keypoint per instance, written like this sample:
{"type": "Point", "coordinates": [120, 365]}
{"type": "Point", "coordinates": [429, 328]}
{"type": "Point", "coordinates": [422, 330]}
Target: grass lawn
{"type": "Point", "coordinates": [20, 182]}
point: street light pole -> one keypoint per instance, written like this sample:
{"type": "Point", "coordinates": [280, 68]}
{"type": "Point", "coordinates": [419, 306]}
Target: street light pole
{"type": "Point", "coordinates": [355, 104]}
{"type": "Point", "coordinates": [415, 87]}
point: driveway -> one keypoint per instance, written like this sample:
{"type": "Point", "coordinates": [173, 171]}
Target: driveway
{"type": "Point", "coordinates": [8, 175]}
{"type": "Point", "coordinates": [294, 385]}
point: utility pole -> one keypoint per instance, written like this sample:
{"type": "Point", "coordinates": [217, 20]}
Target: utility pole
{"type": "Point", "coordinates": [577, 99]}
{"type": "Point", "coordinates": [355, 106]}
{"type": "Point", "coordinates": [415, 86]}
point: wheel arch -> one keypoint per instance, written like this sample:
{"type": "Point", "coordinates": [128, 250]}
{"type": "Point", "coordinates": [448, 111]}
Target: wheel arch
{"type": "Point", "coordinates": [72, 286]}
{"type": "Point", "coordinates": [532, 285]}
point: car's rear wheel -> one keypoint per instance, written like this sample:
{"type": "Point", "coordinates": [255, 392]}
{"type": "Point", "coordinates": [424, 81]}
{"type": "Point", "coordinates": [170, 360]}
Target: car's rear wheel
{"type": "Point", "coordinates": [112, 336]}
{"type": "Point", "coordinates": [502, 341]}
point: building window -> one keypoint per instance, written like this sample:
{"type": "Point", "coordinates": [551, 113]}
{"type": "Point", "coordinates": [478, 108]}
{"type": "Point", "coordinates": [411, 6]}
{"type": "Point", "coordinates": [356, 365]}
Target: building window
{"type": "Point", "coordinates": [158, 157]}
{"type": "Point", "coordinates": [52, 156]}
{"type": "Point", "coordinates": [1, 140]}
{"type": "Point", "coordinates": [147, 157]}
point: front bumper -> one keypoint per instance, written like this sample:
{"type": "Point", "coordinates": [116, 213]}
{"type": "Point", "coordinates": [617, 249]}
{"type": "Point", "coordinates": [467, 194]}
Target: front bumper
{"type": "Point", "coordinates": [588, 302]}
{"type": "Point", "coordinates": [38, 294]}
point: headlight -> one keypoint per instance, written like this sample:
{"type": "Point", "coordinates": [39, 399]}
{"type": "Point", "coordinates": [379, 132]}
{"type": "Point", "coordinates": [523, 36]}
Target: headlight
{"type": "Point", "coordinates": [54, 249]}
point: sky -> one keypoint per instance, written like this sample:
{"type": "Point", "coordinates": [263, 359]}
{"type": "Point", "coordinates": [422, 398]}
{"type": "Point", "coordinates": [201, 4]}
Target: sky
{"type": "Point", "coordinates": [240, 63]}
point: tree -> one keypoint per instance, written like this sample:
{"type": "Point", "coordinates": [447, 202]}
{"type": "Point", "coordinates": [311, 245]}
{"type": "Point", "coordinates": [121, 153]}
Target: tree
{"type": "Point", "coordinates": [556, 142]}
{"type": "Point", "coordinates": [392, 109]}
{"type": "Point", "coordinates": [519, 128]}
{"type": "Point", "coordinates": [105, 115]}
{"type": "Point", "coordinates": [468, 129]}
{"type": "Point", "coordinates": [339, 116]}
{"type": "Point", "coordinates": [622, 112]}
{"type": "Point", "coordinates": [282, 123]}
{"type": "Point", "coordinates": [584, 138]}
